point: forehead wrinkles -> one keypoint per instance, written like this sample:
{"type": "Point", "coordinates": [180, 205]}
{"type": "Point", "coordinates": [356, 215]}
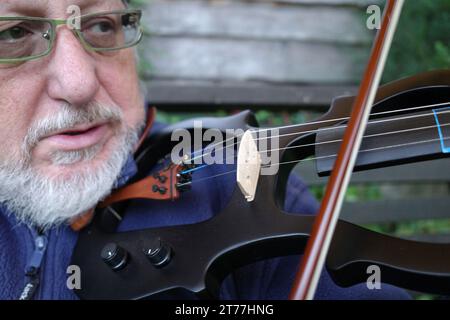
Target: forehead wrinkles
{"type": "Point", "coordinates": [24, 6]}
{"type": "Point", "coordinates": [56, 8]}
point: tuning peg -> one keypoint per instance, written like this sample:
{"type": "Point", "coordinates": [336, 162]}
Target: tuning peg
{"type": "Point", "coordinates": [161, 190]}
{"type": "Point", "coordinates": [183, 187]}
{"type": "Point", "coordinates": [186, 164]}
{"type": "Point", "coordinates": [160, 178]}
{"type": "Point", "coordinates": [184, 177]}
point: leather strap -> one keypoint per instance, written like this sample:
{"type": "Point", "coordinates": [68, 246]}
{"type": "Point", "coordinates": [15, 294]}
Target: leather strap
{"type": "Point", "coordinates": [149, 188]}
{"type": "Point", "coordinates": [82, 221]}
{"type": "Point", "coordinates": [159, 186]}
{"type": "Point", "coordinates": [150, 120]}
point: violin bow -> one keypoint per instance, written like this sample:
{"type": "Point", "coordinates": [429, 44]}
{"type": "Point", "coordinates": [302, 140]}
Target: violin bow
{"type": "Point", "coordinates": [307, 277]}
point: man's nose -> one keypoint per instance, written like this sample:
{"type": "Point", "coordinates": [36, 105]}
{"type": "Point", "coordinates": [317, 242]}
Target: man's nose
{"type": "Point", "coordinates": [72, 71]}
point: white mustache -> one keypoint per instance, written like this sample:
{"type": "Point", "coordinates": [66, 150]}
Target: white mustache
{"type": "Point", "coordinates": [68, 117]}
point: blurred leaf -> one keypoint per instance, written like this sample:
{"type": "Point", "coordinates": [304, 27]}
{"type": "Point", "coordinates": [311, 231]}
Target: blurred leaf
{"type": "Point", "coordinates": [422, 39]}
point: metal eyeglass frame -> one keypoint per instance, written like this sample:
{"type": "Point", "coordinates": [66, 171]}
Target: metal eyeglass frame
{"type": "Point", "coordinates": [54, 23]}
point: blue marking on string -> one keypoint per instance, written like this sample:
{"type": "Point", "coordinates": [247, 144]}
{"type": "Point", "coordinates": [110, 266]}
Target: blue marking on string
{"type": "Point", "coordinates": [441, 135]}
{"type": "Point", "coordinates": [197, 151]}
{"type": "Point", "coordinates": [194, 169]}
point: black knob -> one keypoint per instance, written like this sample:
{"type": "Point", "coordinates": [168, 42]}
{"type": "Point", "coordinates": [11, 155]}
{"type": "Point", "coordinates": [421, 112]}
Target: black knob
{"type": "Point", "coordinates": [158, 253]}
{"type": "Point", "coordinates": [162, 179]}
{"type": "Point", "coordinates": [114, 256]}
{"type": "Point", "coordinates": [161, 190]}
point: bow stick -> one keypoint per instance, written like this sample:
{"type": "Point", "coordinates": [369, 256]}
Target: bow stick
{"type": "Point", "coordinates": [307, 277]}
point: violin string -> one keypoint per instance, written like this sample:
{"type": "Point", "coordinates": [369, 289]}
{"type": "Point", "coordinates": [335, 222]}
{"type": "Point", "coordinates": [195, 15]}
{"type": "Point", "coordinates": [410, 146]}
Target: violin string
{"type": "Point", "coordinates": [366, 136]}
{"type": "Point", "coordinates": [347, 118]}
{"type": "Point", "coordinates": [362, 151]}
{"type": "Point", "coordinates": [319, 158]}
{"type": "Point", "coordinates": [312, 123]}
{"type": "Point", "coordinates": [331, 141]}
{"type": "Point", "coordinates": [206, 178]}
{"type": "Point", "coordinates": [335, 141]}
{"type": "Point", "coordinates": [345, 126]}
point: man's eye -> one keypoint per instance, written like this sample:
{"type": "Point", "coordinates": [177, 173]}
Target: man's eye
{"type": "Point", "coordinates": [14, 33]}
{"type": "Point", "coordinates": [102, 27]}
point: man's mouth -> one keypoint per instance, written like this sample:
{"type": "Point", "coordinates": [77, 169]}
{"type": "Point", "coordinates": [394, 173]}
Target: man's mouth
{"type": "Point", "coordinates": [81, 129]}
{"type": "Point", "coordinates": [79, 137]}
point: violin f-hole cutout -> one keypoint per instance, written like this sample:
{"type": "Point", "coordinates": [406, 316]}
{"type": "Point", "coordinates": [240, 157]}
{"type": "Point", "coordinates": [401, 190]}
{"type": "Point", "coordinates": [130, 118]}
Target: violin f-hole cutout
{"type": "Point", "coordinates": [248, 165]}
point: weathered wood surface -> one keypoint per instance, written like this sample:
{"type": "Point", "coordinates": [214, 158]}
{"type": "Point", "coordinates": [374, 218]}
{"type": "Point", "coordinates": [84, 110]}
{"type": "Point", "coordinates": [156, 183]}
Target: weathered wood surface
{"type": "Point", "coordinates": [257, 20]}
{"type": "Point", "coordinates": [247, 43]}
{"type": "Point", "coordinates": [423, 172]}
{"type": "Point", "coordinates": [433, 202]}
{"type": "Point", "coordinates": [204, 95]}
{"type": "Point", "coordinates": [252, 60]}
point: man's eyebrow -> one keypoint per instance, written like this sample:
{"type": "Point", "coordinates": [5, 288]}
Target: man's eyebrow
{"type": "Point", "coordinates": [23, 8]}
{"type": "Point", "coordinates": [102, 5]}
{"type": "Point", "coordinates": [40, 8]}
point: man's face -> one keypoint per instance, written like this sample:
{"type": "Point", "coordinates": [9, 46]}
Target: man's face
{"type": "Point", "coordinates": [66, 115]}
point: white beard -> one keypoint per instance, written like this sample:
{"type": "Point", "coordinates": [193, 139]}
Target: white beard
{"type": "Point", "coordinates": [43, 201]}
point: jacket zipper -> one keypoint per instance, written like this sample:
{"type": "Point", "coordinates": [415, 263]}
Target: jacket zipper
{"type": "Point", "coordinates": [33, 268]}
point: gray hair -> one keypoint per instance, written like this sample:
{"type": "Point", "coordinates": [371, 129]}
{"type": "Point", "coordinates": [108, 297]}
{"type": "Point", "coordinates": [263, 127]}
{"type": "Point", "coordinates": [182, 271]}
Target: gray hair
{"type": "Point", "coordinates": [143, 86]}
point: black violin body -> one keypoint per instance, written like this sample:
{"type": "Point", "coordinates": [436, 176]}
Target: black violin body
{"type": "Point", "coordinates": [202, 254]}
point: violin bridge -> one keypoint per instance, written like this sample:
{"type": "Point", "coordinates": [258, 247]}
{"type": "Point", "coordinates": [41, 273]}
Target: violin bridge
{"type": "Point", "coordinates": [248, 166]}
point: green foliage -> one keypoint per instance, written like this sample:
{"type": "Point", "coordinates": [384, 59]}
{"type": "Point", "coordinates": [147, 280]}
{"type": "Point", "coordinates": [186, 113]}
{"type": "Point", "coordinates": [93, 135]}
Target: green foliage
{"type": "Point", "coordinates": [422, 39]}
{"type": "Point", "coordinates": [265, 117]}
{"type": "Point", "coordinates": [354, 193]}
{"type": "Point", "coordinates": [174, 117]}
{"type": "Point", "coordinates": [138, 3]}
{"type": "Point", "coordinates": [411, 228]}
{"type": "Point", "coordinates": [423, 227]}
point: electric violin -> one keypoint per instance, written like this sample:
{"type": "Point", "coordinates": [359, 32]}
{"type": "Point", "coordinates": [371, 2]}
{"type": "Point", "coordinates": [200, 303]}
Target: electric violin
{"type": "Point", "coordinates": [401, 122]}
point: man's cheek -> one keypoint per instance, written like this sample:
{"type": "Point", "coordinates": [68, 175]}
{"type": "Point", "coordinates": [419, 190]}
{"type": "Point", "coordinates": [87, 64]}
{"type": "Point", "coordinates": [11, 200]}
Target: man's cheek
{"type": "Point", "coordinates": [12, 133]}
{"type": "Point", "coordinates": [121, 71]}
{"type": "Point", "coordinates": [6, 102]}
{"type": "Point", "coordinates": [135, 116]}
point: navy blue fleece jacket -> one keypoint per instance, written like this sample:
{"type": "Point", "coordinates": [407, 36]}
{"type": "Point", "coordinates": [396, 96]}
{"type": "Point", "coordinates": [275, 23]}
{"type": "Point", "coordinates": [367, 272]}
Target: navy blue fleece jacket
{"type": "Point", "coordinates": [269, 279]}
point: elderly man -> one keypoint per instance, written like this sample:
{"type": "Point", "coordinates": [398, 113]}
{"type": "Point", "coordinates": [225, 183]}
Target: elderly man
{"type": "Point", "coordinates": [71, 115]}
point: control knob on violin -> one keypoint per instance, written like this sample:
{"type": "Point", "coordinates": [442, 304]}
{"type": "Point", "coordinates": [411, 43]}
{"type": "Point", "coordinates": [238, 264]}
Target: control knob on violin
{"type": "Point", "coordinates": [158, 253]}
{"type": "Point", "coordinates": [114, 256]}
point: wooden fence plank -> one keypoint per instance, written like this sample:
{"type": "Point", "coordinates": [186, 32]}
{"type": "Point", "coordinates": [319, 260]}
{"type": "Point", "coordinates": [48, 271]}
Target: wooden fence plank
{"type": "Point", "coordinates": [396, 210]}
{"type": "Point", "coordinates": [423, 172]}
{"type": "Point", "coordinates": [354, 3]}
{"type": "Point", "coordinates": [259, 20]}
{"type": "Point", "coordinates": [393, 210]}
{"type": "Point", "coordinates": [433, 238]}
{"type": "Point", "coordinates": [180, 94]}
{"type": "Point", "coordinates": [230, 59]}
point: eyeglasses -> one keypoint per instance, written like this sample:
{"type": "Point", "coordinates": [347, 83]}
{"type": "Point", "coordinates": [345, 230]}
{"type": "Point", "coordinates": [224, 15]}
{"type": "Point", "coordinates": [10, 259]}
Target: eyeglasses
{"type": "Point", "coordinates": [28, 38]}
